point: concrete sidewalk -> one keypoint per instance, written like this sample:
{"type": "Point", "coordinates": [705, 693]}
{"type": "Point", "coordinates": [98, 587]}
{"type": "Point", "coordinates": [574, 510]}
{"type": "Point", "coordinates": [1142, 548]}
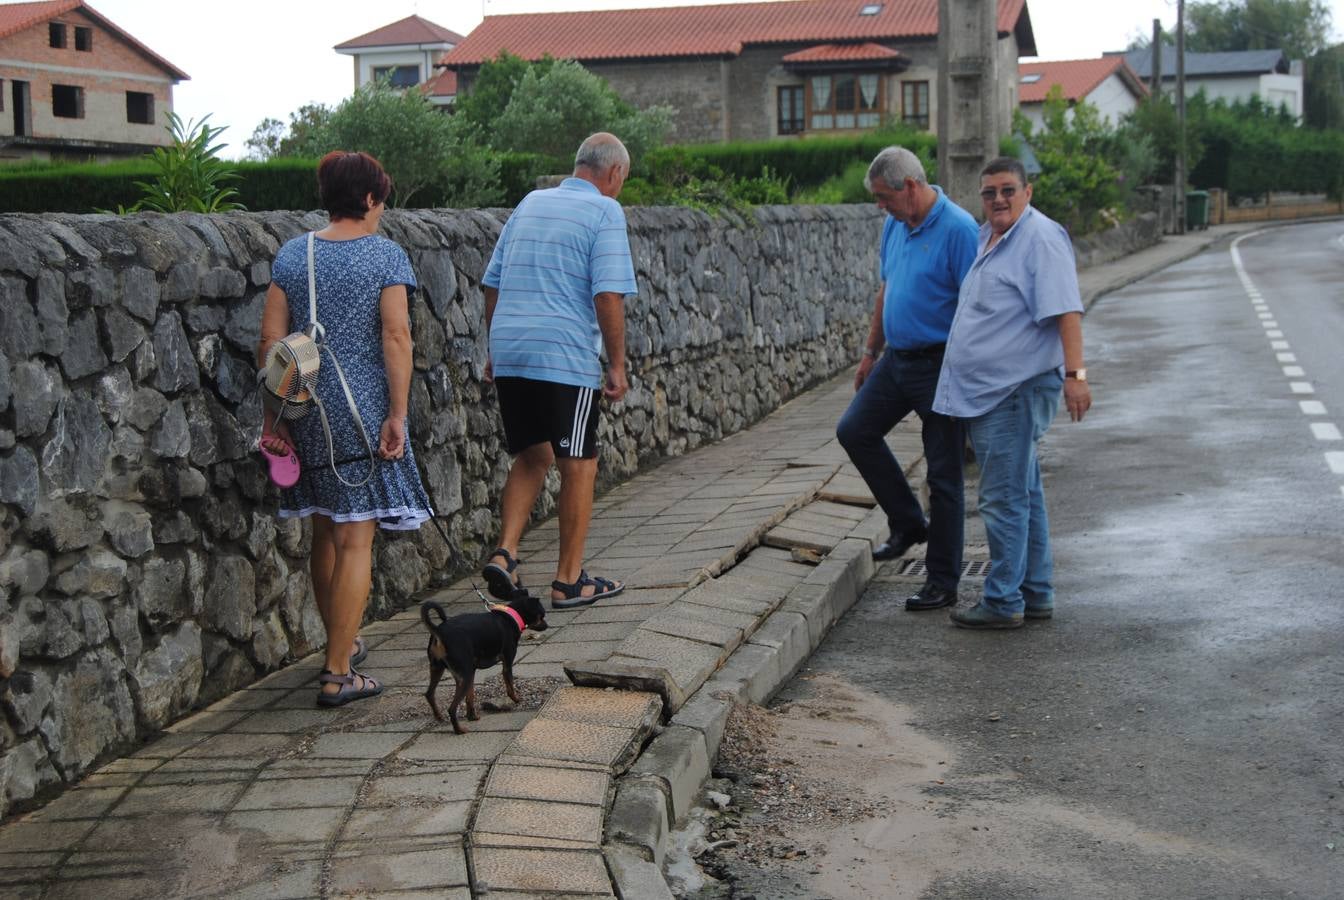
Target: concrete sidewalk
{"type": "Point", "coordinates": [738, 556]}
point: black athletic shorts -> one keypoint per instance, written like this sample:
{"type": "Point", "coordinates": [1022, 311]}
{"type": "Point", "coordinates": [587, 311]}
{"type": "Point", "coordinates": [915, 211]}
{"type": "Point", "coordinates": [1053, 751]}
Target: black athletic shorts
{"type": "Point", "coordinates": [539, 412]}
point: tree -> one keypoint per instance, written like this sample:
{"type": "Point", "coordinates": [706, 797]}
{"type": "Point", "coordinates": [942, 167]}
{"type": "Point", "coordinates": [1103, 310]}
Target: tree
{"type": "Point", "coordinates": [1299, 28]}
{"type": "Point", "coordinates": [421, 148]}
{"type": "Point", "coordinates": [493, 87]}
{"type": "Point", "coordinates": [303, 138]}
{"type": "Point", "coordinates": [552, 111]}
{"type": "Point", "coordinates": [1325, 89]}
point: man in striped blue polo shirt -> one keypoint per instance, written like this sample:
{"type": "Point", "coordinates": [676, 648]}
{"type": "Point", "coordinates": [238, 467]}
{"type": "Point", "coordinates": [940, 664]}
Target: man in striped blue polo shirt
{"type": "Point", "coordinates": [554, 299]}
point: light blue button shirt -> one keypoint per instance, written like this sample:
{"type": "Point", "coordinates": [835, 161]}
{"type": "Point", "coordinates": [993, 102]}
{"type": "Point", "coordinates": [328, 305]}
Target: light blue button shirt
{"type": "Point", "coordinates": [560, 248]}
{"type": "Point", "coordinates": [1006, 329]}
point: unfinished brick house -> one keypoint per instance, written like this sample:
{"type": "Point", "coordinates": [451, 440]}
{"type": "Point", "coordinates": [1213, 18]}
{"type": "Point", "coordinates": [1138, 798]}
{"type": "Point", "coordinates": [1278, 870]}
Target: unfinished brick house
{"type": "Point", "coordinates": [751, 71]}
{"type": "Point", "coordinates": [74, 86]}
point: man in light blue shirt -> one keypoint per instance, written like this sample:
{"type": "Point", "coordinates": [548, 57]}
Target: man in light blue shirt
{"type": "Point", "coordinates": [555, 291]}
{"type": "Point", "coordinates": [928, 243]}
{"type": "Point", "coordinates": [1017, 339]}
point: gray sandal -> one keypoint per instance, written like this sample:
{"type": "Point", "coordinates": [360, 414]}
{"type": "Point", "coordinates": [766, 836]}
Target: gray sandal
{"type": "Point", "coordinates": [348, 691]}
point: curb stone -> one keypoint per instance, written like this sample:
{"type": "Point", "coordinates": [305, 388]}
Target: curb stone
{"type": "Point", "coordinates": [679, 759]}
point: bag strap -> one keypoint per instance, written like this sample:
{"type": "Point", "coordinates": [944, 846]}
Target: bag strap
{"type": "Point", "coordinates": [319, 335]}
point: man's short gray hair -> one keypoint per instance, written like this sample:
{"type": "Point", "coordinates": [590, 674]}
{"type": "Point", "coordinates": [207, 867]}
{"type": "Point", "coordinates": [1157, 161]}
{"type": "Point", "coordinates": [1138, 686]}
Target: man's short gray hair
{"type": "Point", "coordinates": [600, 152]}
{"type": "Point", "coordinates": [893, 165]}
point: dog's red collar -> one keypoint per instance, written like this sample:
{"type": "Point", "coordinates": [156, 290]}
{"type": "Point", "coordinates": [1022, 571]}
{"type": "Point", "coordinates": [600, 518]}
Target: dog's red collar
{"type": "Point", "coordinates": [512, 614]}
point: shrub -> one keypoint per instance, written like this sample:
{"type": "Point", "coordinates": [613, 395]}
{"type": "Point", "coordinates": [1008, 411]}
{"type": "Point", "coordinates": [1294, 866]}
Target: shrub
{"type": "Point", "coordinates": [188, 175]}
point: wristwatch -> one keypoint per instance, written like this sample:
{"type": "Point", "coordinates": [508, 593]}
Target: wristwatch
{"type": "Point", "coordinates": [1076, 374]}
{"type": "Point", "coordinates": [870, 352]}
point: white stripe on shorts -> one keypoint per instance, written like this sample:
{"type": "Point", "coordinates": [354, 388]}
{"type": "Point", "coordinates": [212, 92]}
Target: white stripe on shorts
{"type": "Point", "coordinates": [582, 408]}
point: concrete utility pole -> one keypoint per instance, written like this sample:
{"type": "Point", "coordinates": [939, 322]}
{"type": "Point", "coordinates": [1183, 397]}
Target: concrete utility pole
{"type": "Point", "coordinates": [968, 107]}
{"type": "Point", "coordinates": [1180, 116]}
{"type": "Point", "coordinates": [1156, 84]}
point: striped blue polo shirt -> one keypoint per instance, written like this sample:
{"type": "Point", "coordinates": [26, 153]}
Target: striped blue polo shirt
{"type": "Point", "coordinates": [559, 249]}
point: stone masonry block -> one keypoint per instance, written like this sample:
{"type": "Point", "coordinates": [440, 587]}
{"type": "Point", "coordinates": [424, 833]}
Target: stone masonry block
{"type": "Point", "coordinates": [634, 876]}
{"type": "Point", "coordinates": [707, 712]}
{"type": "Point", "coordinates": [678, 756]}
{"type": "Point", "coordinates": [811, 602]}
{"type": "Point", "coordinates": [629, 676]}
{"type": "Point", "coordinates": [756, 668]}
{"type": "Point", "coordinates": [598, 706]}
{"type": "Point", "coordinates": [786, 633]}
{"type": "Point", "coordinates": [639, 817]}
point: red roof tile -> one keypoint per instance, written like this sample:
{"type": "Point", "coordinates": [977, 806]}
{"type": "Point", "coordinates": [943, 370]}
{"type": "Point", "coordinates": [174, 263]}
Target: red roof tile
{"type": "Point", "coordinates": [841, 53]}
{"type": "Point", "coordinates": [703, 30]}
{"type": "Point", "coordinates": [16, 17]}
{"type": "Point", "coordinates": [442, 85]}
{"type": "Point", "coordinates": [410, 30]}
{"type": "Point", "coordinates": [1076, 77]}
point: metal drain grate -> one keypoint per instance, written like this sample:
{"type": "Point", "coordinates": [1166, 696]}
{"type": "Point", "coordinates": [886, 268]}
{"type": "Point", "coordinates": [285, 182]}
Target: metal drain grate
{"type": "Point", "coordinates": [978, 568]}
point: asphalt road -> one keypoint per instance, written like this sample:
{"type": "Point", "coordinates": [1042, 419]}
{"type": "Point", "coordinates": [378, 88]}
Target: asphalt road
{"type": "Point", "coordinates": [1177, 730]}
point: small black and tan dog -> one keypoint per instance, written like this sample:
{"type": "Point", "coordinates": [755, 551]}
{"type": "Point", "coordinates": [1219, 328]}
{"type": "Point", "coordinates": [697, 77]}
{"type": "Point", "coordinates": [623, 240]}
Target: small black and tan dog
{"type": "Point", "coordinates": [472, 641]}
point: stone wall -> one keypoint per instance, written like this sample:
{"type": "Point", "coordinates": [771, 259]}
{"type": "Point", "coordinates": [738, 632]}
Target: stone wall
{"type": "Point", "coordinates": [142, 572]}
{"type": "Point", "coordinates": [1144, 230]}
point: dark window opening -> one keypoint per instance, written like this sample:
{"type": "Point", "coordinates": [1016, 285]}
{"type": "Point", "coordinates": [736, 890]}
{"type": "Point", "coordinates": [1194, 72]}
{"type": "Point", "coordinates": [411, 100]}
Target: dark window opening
{"type": "Point", "coordinates": [791, 116]}
{"type": "Point", "coordinates": [67, 101]}
{"type": "Point", "coordinates": [56, 35]}
{"type": "Point", "coordinates": [915, 103]}
{"type": "Point", "coordinates": [400, 76]}
{"type": "Point", "coordinates": [2, 95]}
{"type": "Point", "coordinates": [139, 108]}
{"type": "Point", "coordinates": [83, 39]}
{"type": "Point", "coordinates": [23, 119]}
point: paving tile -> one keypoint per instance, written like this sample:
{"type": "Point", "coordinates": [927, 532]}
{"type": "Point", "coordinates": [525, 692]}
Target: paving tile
{"type": "Point", "coordinates": [304, 767]}
{"type": "Point", "coordinates": [668, 622]}
{"type": "Point", "coordinates": [297, 793]}
{"type": "Point", "coordinates": [622, 615]}
{"type": "Point", "coordinates": [159, 799]}
{"type": "Point", "coordinates": [423, 818]}
{"type": "Point", "coordinates": [688, 608]}
{"type": "Point", "coordinates": [678, 655]}
{"type": "Point", "coordinates": [597, 706]}
{"type": "Point", "coordinates": [560, 652]}
{"type": "Point", "coordinates": [474, 746]}
{"type": "Point", "coordinates": [169, 745]}
{"type": "Point", "coordinates": [538, 670]}
{"type": "Point", "coordinates": [540, 871]}
{"type": "Point", "coordinates": [207, 722]}
{"type": "Point", "coordinates": [355, 745]}
{"type": "Point", "coordinates": [28, 835]}
{"type": "Point", "coordinates": [79, 803]}
{"type": "Point", "coordinates": [242, 745]}
{"type": "Point", "coordinates": [362, 872]}
{"type": "Point", "coordinates": [431, 786]}
{"type": "Point", "coordinates": [317, 824]}
{"type": "Point", "coordinates": [288, 721]}
{"type": "Point", "coordinates": [540, 818]}
{"type": "Point", "coordinates": [548, 783]}
{"type": "Point", "coordinates": [526, 842]}
{"type": "Point", "coordinates": [578, 741]}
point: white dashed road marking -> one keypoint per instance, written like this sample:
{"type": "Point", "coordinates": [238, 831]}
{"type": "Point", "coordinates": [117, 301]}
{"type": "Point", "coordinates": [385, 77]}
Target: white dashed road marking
{"type": "Point", "coordinates": [1322, 431]}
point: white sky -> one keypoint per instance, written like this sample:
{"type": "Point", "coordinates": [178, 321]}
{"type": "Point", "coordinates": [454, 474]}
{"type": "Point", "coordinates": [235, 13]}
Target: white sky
{"type": "Point", "coordinates": [253, 59]}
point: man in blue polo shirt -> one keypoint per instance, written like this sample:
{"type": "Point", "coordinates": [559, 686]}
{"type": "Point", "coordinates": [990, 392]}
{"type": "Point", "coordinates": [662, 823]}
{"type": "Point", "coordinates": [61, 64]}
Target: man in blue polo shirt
{"type": "Point", "coordinates": [555, 291]}
{"type": "Point", "coordinates": [1016, 344]}
{"type": "Point", "coordinates": [928, 243]}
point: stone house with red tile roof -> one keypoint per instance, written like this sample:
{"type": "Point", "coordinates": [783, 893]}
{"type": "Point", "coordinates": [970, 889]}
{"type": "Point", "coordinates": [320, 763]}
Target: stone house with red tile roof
{"type": "Point", "coordinates": [753, 71]}
{"type": "Point", "coordinates": [1108, 84]}
{"type": "Point", "coordinates": [74, 86]}
{"type": "Point", "coordinates": [407, 52]}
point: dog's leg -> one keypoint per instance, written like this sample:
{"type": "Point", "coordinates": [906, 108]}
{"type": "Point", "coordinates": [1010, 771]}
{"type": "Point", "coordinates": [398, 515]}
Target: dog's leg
{"type": "Point", "coordinates": [508, 681]}
{"type": "Point", "coordinates": [471, 703]}
{"type": "Point", "coordinates": [463, 687]}
{"type": "Point", "coordinates": [435, 673]}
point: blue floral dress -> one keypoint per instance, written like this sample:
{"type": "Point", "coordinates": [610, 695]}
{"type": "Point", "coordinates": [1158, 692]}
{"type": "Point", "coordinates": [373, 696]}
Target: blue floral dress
{"type": "Point", "coordinates": [350, 278]}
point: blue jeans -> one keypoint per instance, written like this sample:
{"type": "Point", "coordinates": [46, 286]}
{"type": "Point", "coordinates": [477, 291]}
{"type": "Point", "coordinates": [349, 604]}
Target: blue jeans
{"type": "Point", "coordinates": [1012, 503]}
{"type": "Point", "coordinates": [897, 386]}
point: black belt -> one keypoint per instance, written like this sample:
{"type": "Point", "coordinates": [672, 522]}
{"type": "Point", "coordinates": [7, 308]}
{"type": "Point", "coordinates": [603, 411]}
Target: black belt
{"type": "Point", "coordinates": [933, 351]}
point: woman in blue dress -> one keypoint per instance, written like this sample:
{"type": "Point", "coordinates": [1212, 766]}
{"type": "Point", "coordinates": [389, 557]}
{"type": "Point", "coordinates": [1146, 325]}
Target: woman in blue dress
{"type": "Point", "coordinates": [363, 286]}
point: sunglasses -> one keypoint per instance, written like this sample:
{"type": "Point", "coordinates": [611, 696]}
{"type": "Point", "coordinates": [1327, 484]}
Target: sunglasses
{"type": "Point", "coordinates": [988, 194]}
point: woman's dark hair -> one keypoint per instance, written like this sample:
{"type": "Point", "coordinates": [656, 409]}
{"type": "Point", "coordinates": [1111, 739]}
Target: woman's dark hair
{"type": "Point", "coordinates": [345, 179]}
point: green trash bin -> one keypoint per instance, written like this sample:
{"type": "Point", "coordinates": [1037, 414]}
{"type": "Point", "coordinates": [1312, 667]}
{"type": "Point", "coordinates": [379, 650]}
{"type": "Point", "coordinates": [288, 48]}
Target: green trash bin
{"type": "Point", "coordinates": [1196, 209]}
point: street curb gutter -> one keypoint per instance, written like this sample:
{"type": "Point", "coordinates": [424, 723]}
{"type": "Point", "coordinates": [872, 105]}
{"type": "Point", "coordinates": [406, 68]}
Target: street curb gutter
{"type": "Point", "coordinates": [663, 784]}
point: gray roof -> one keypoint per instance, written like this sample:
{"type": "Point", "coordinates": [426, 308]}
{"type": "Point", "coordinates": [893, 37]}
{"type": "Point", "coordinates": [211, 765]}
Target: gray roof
{"type": "Point", "coordinates": [1235, 62]}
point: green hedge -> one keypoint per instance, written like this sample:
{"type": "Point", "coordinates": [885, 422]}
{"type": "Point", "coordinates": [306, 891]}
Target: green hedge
{"type": "Point", "coordinates": [90, 187]}
{"type": "Point", "coordinates": [802, 163]}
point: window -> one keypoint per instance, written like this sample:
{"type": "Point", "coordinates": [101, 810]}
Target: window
{"type": "Point", "coordinates": [139, 108]}
{"type": "Point", "coordinates": [1031, 78]}
{"type": "Point", "coordinates": [83, 39]}
{"type": "Point", "coordinates": [401, 76]}
{"type": "Point", "coordinates": [56, 35]}
{"type": "Point", "coordinates": [871, 9]}
{"type": "Point", "coordinates": [915, 103]}
{"type": "Point", "coordinates": [845, 101]}
{"type": "Point", "coordinates": [67, 101]}
{"type": "Point", "coordinates": [791, 116]}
